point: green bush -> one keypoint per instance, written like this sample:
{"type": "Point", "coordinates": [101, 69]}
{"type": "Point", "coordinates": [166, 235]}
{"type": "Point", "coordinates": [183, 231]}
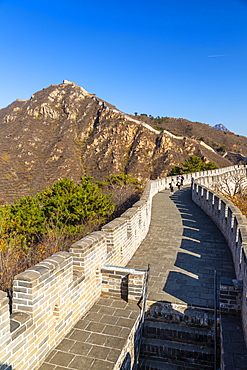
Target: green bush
{"type": "Point", "coordinates": [34, 228]}
{"type": "Point", "coordinates": [222, 149]}
{"type": "Point", "coordinates": [193, 164]}
{"type": "Point", "coordinates": [64, 207]}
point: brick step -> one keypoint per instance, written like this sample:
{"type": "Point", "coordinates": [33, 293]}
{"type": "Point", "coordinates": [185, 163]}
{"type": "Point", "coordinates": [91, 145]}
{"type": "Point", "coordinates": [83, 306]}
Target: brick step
{"type": "Point", "coordinates": [165, 349]}
{"type": "Point", "coordinates": [178, 332]}
{"type": "Point", "coordinates": [156, 364]}
{"type": "Point", "coordinates": [196, 317]}
{"type": "Point", "coordinates": [146, 364]}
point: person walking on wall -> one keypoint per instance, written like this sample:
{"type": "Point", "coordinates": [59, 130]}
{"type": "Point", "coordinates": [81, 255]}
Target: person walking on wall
{"type": "Point", "coordinates": [179, 184]}
{"type": "Point", "coordinates": [171, 184]}
{"type": "Point", "coordinates": [192, 182]}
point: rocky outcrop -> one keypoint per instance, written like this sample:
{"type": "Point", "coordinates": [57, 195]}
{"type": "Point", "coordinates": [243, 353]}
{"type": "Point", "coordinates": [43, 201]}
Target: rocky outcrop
{"type": "Point", "coordinates": [64, 131]}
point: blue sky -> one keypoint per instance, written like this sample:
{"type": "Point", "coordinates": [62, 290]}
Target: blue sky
{"type": "Point", "coordinates": [176, 58]}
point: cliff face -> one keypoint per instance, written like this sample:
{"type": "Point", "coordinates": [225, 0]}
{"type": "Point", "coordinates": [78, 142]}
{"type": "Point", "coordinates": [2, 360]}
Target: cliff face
{"type": "Point", "coordinates": [63, 131]}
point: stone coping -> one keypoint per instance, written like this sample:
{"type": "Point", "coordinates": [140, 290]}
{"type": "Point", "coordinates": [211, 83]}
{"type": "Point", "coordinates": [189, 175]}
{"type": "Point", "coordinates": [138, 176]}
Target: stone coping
{"type": "Point", "coordinates": [19, 323]}
{"type": "Point", "coordinates": [46, 266]}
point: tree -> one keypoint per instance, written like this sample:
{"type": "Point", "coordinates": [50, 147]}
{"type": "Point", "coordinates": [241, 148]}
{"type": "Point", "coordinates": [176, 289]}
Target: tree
{"type": "Point", "coordinates": [64, 207]}
{"type": "Point", "coordinates": [125, 191]}
{"type": "Point", "coordinates": [176, 170]}
{"type": "Point", "coordinates": [222, 149]}
{"type": "Point", "coordinates": [193, 164]}
{"type": "Point", "coordinates": [66, 203]}
{"type": "Point", "coordinates": [231, 184]}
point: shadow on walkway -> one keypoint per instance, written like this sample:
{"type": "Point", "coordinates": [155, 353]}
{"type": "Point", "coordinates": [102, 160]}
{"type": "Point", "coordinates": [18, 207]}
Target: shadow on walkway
{"type": "Point", "coordinates": [203, 249]}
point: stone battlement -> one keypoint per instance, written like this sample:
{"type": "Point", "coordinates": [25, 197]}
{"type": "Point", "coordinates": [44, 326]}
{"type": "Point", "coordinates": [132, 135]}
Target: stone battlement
{"type": "Point", "coordinates": [233, 225]}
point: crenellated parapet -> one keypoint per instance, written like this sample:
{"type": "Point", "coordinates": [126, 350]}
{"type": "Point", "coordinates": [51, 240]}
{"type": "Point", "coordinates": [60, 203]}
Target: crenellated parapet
{"type": "Point", "coordinates": [233, 225]}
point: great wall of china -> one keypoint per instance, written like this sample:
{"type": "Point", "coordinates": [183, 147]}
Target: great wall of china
{"type": "Point", "coordinates": [49, 298]}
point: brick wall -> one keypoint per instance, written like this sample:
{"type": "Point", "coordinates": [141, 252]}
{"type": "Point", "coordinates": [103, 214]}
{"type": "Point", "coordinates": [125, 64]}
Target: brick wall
{"type": "Point", "coordinates": [230, 296]}
{"type": "Point", "coordinates": [121, 282]}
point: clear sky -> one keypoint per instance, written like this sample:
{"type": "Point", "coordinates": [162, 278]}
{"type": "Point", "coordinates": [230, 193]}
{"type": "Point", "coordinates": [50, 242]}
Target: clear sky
{"type": "Point", "coordinates": [176, 58]}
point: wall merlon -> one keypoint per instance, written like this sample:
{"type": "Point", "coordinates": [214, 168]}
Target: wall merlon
{"type": "Point", "coordinates": [95, 237]}
{"type": "Point", "coordinates": [20, 307]}
{"type": "Point", "coordinates": [114, 225]}
{"type": "Point", "coordinates": [29, 276]}
{"type": "Point", "coordinates": [88, 242]}
{"type": "Point", "coordinates": [131, 212]}
{"type": "Point", "coordinates": [42, 270]}
{"type": "Point", "coordinates": [57, 259]}
{"type": "Point", "coordinates": [50, 264]}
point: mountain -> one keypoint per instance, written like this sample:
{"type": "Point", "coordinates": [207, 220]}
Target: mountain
{"type": "Point", "coordinates": [64, 131]}
{"type": "Point", "coordinates": [223, 143]}
{"type": "Point", "coordinates": [221, 127]}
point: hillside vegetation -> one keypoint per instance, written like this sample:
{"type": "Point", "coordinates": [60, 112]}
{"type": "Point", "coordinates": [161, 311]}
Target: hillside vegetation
{"type": "Point", "coordinates": [35, 227]}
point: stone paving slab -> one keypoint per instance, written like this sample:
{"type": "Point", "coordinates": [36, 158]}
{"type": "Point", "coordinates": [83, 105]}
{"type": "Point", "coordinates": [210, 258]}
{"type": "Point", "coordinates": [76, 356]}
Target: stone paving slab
{"type": "Point", "coordinates": [97, 339]}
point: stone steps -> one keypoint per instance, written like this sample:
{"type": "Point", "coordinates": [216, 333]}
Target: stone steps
{"type": "Point", "coordinates": [179, 333]}
{"type": "Point", "coordinates": [165, 349]}
{"type": "Point", "coordinates": [156, 364]}
{"type": "Point", "coordinates": [177, 338]}
{"type": "Point", "coordinates": [159, 311]}
{"type": "Point", "coordinates": [146, 364]}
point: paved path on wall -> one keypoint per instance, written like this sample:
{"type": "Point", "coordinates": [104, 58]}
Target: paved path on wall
{"type": "Point", "coordinates": [97, 339]}
{"type": "Point", "coordinates": [183, 248]}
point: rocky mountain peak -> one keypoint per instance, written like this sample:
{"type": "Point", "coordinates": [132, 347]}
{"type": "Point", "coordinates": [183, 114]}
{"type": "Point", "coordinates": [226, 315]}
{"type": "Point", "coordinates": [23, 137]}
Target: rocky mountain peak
{"type": "Point", "coordinates": [64, 131]}
{"type": "Point", "coordinates": [221, 127]}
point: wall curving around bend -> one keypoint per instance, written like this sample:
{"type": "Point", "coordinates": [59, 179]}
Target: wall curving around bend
{"type": "Point", "coordinates": [233, 225]}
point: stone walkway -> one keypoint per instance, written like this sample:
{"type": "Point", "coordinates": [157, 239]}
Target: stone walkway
{"type": "Point", "coordinates": [97, 339]}
{"type": "Point", "coordinates": [183, 248]}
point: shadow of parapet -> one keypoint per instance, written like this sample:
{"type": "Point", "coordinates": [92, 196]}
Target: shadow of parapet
{"type": "Point", "coordinates": [6, 367]}
{"type": "Point", "coordinates": [203, 249]}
